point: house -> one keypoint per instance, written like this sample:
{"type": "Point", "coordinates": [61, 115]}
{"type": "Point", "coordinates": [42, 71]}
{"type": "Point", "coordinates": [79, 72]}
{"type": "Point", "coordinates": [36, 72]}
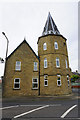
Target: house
{"type": "Point", "coordinates": [27, 74]}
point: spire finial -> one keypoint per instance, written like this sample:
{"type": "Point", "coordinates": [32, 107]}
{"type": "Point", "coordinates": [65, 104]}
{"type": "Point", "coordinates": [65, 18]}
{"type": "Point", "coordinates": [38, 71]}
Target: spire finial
{"type": "Point", "coordinates": [25, 38]}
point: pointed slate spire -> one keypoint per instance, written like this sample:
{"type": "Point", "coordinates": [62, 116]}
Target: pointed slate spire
{"type": "Point", "coordinates": [50, 26]}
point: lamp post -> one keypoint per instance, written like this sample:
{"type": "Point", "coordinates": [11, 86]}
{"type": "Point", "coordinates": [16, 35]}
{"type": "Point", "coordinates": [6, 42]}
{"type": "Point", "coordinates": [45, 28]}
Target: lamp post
{"type": "Point", "coordinates": [7, 44]}
{"type": "Point", "coordinates": [5, 62]}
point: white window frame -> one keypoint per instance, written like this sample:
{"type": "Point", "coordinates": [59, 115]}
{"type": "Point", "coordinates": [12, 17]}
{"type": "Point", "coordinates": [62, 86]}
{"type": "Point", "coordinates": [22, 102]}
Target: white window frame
{"type": "Point", "coordinates": [17, 83]}
{"type": "Point", "coordinates": [35, 66]}
{"type": "Point", "coordinates": [18, 67]}
{"type": "Point", "coordinates": [45, 62]}
{"type": "Point", "coordinates": [44, 46]}
{"type": "Point", "coordinates": [57, 59]}
{"type": "Point", "coordinates": [59, 80]}
{"type": "Point", "coordinates": [68, 80]}
{"type": "Point", "coordinates": [45, 79]}
{"type": "Point", "coordinates": [56, 44]}
{"type": "Point", "coordinates": [34, 83]}
{"type": "Point", "coordinates": [66, 63]}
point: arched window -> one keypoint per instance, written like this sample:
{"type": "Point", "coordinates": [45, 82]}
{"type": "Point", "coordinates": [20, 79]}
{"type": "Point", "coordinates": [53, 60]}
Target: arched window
{"type": "Point", "coordinates": [45, 63]}
{"type": "Point", "coordinates": [44, 46]}
{"type": "Point", "coordinates": [66, 63]}
{"type": "Point", "coordinates": [56, 45]}
{"type": "Point", "coordinates": [57, 62]}
{"type": "Point", "coordinates": [68, 80]}
{"type": "Point", "coordinates": [58, 80]}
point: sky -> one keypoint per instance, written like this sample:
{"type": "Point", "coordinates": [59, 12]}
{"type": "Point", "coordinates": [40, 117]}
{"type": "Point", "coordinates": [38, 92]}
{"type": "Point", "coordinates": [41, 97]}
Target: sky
{"type": "Point", "coordinates": [27, 19]}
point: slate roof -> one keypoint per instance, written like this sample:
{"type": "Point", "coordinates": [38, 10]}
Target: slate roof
{"type": "Point", "coordinates": [24, 41]}
{"type": "Point", "coordinates": [50, 27]}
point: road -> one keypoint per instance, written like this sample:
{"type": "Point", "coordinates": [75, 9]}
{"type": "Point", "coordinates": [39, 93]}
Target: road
{"type": "Point", "coordinates": [41, 108]}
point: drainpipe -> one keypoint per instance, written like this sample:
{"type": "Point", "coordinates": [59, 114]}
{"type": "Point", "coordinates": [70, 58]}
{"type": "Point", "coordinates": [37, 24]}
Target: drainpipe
{"type": "Point", "coordinates": [39, 77]}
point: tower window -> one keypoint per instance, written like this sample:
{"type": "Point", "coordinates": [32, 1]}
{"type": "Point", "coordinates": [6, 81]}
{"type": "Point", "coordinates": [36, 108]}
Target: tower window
{"type": "Point", "coordinates": [35, 66]}
{"type": "Point", "coordinates": [68, 80]}
{"type": "Point", "coordinates": [17, 83]}
{"type": "Point", "coordinates": [57, 62]}
{"type": "Point", "coordinates": [18, 66]}
{"type": "Point", "coordinates": [58, 80]}
{"type": "Point", "coordinates": [66, 64]}
{"type": "Point", "coordinates": [45, 80]}
{"type": "Point", "coordinates": [35, 83]}
{"type": "Point", "coordinates": [44, 46]}
{"type": "Point", "coordinates": [56, 45]}
{"type": "Point", "coordinates": [45, 63]}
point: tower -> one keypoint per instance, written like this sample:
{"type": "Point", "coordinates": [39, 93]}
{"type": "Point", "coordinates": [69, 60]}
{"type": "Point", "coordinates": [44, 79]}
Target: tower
{"type": "Point", "coordinates": [54, 63]}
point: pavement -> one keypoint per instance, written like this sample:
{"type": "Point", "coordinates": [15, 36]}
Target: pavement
{"type": "Point", "coordinates": [41, 107]}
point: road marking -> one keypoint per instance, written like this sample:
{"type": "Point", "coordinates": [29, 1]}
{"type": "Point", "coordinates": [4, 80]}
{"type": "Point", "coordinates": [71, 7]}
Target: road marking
{"type": "Point", "coordinates": [9, 107]}
{"type": "Point", "coordinates": [31, 111]}
{"type": "Point", "coordinates": [68, 111]}
{"type": "Point", "coordinates": [40, 105]}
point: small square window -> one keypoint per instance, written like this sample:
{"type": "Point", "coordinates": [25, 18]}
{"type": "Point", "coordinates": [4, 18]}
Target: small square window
{"type": "Point", "coordinates": [18, 66]}
{"type": "Point", "coordinates": [35, 66]}
{"type": "Point", "coordinates": [17, 83]}
{"type": "Point", "coordinates": [35, 83]}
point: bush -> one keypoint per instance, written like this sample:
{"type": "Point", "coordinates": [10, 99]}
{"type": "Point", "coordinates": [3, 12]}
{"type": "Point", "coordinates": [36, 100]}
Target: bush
{"type": "Point", "coordinates": [74, 78]}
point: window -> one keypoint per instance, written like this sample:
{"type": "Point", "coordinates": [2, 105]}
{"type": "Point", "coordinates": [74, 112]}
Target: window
{"type": "Point", "coordinates": [44, 46]}
{"type": "Point", "coordinates": [45, 63]}
{"type": "Point", "coordinates": [58, 80]}
{"type": "Point", "coordinates": [56, 45]}
{"type": "Point", "coordinates": [35, 66]}
{"type": "Point", "coordinates": [17, 83]}
{"type": "Point", "coordinates": [35, 83]}
{"type": "Point", "coordinates": [57, 62]}
{"type": "Point", "coordinates": [45, 80]}
{"type": "Point", "coordinates": [66, 64]}
{"type": "Point", "coordinates": [68, 80]}
{"type": "Point", "coordinates": [18, 65]}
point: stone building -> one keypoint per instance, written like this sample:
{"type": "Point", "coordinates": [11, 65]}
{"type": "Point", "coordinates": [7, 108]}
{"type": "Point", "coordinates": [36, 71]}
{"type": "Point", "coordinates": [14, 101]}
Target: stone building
{"type": "Point", "coordinates": [46, 74]}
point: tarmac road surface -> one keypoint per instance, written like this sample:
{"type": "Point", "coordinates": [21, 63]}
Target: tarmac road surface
{"type": "Point", "coordinates": [41, 108]}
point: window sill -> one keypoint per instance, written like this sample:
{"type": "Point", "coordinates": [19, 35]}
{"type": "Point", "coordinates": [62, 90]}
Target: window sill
{"type": "Point", "coordinates": [34, 88]}
{"type": "Point", "coordinates": [17, 70]}
{"type": "Point", "coordinates": [16, 89]}
{"type": "Point", "coordinates": [58, 67]}
{"type": "Point", "coordinates": [45, 68]}
{"type": "Point", "coordinates": [35, 70]}
{"type": "Point", "coordinates": [58, 85]}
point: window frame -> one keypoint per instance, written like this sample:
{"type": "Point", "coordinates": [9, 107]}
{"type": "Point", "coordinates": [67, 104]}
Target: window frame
{"type": "Point", "coordinates": [44, 46]}
{"type": "Point", "coordinates": [34, 83]}
{"type": "Point", "coordinates": [18, 69]}
{"type": "Point", "coordinates": [17, 83]}
{"type": "Point", "coordinates": [58, 61]}
{"type": "Point", "coordinates": [36, 66]}
{"type": "Point", "coordinates": [45, 62]}
{"type": "Point", "coordinates": [59, 80]}
{"type": "Point", "coordinates": [55, 43]}
{"type": "Point", "coordinates": [45, 79]}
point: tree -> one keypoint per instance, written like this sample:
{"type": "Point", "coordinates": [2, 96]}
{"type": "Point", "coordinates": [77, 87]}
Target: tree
{"type": "Point", "coordinates": [74, 78]}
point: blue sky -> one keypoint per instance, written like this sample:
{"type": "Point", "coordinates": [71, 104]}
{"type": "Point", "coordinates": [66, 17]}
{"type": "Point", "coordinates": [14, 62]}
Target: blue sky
{"type": "Point", "coordinates": [27, 19]}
